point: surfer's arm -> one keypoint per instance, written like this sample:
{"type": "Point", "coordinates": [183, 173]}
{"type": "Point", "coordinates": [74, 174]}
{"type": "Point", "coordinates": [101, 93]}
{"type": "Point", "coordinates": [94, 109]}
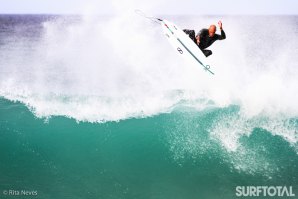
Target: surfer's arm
{"type": "Point", "coordinates": [222, 35]}
{"type": "Point", "coordinates": [222, 32]}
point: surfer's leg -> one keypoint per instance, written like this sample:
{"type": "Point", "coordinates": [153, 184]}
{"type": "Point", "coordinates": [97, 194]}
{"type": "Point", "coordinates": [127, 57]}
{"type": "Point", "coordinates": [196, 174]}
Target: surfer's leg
{"type": "Point", "coordinates": [188, 31]}
{"type": "Point", "coordinates": [191, 34]}
{"type": "Point", "coordinates": [207, 52]}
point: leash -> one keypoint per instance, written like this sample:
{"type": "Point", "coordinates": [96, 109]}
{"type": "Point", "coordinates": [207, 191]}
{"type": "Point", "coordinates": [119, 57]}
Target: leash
{"type": "Point", "coordinates": [153, 19]}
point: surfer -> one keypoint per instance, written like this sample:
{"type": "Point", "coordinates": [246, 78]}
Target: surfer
{"type": "Point", "coordinates": [206, 37]}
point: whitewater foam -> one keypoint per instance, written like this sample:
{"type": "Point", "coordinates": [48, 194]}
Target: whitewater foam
{"type": "Point", "coordinates": [99, 69]}
{"type": "Point", "coordinates": [127, 56]}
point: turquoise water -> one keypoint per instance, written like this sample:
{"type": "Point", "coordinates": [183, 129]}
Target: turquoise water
{"type": "Point", "coordinates": [83, 114]}
{"type": "Point", "coordinates": [164, 156]}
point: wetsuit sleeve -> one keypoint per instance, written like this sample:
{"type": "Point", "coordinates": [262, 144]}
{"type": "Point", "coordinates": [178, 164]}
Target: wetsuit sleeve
{"type": "Point", "coordinates": [222, 35]}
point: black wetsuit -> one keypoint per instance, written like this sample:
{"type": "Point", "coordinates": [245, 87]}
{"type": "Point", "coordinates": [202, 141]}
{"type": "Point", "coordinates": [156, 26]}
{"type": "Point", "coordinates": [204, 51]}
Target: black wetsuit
{"type": "Point", "coordinates": [205, 40]}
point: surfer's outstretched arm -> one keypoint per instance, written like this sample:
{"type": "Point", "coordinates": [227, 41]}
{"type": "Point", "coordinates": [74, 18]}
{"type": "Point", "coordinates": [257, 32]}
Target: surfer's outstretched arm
{"type": "Point", "coordinates": [222, 32]}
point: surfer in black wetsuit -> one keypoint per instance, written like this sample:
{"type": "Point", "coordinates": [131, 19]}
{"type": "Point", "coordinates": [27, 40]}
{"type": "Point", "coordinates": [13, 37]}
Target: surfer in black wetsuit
{"type": "Point", "coordinates": [206, 37]}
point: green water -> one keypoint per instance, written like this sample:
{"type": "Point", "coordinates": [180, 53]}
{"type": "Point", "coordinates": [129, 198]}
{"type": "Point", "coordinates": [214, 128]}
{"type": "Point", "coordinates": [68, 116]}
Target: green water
{"type": "Point", "coordinates": [165, 156]}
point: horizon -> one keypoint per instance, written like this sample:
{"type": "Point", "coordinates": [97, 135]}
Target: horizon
{"type": "Point", "coordinates": [111, 15]}
{"type": "Point", "coordinates": [161, 7]}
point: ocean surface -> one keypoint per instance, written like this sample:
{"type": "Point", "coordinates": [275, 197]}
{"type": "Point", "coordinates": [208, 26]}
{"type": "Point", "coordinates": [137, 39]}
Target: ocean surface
{"type": "Point", "coordinates": [103, 107]}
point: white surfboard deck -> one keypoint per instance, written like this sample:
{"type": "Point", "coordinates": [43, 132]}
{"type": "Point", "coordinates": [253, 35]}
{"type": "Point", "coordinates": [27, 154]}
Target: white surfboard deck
{"type": "Point", "coordinates": [184, 45]}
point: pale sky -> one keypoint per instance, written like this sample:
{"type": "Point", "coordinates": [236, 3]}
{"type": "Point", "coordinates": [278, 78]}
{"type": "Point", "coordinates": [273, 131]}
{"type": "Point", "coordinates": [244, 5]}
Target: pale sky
{"type": "Point", "coordinates": [175, 7]}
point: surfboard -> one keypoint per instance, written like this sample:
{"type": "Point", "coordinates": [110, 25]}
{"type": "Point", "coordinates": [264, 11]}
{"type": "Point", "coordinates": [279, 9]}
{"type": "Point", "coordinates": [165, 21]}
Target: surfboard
{"type": "Point", "coordinates": [184, 45]}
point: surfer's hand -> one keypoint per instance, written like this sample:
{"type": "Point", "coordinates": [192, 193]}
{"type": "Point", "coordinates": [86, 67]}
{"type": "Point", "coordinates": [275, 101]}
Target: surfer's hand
{"type": "Point", "coordinates": [198, 39]}
{"type": "Point", "coordinates": [220, 24]}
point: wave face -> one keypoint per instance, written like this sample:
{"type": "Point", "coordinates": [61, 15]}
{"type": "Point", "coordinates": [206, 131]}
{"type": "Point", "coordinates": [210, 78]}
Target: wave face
{"type": "Point", "coordinates": [111, 95]}
{"type": "Point", "coordinates": [182, 154]}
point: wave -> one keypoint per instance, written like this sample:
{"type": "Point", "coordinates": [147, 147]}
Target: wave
{"type": "Point", "coordinates": [111, 69]}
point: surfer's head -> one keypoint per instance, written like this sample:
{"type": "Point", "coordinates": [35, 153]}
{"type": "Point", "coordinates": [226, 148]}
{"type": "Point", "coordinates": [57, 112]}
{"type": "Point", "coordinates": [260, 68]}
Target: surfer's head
{"type": "Point", "coordinates": [212, 30]}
